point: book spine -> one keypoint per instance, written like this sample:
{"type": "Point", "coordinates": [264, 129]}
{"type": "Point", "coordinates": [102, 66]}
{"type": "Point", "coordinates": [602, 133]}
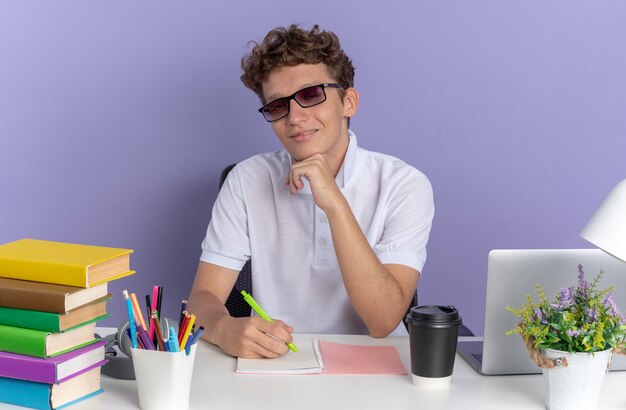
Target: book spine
{"type": "Point", "coordinates": [47, 272]}
{"type": "Point", "coordinates": [21, 297]}
{"type": "Point", "coordinates": [29, 368]}
{"type": "Point", "coordinates": [23, 341]}
{"type": "Point", "coordinates": [18, 366]}
{"type": "Point", "coordinates": [25, 393]}
{"type": "Point", "coordinates": [30, 319]}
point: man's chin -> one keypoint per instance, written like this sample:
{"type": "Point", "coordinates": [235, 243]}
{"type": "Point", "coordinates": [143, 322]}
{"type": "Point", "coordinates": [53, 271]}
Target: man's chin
{"type": "Point", "coordinates": [300, 155]}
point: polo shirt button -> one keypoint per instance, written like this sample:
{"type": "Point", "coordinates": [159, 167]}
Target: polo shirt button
{"type": "Point", "coordinates": [323, 219]}
{"type": "Point", "coordinates": [322, 242]}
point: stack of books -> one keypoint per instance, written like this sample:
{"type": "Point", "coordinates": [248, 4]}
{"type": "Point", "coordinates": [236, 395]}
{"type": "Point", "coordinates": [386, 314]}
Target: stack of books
{"type": "Point", "coordinates": [51, 296]}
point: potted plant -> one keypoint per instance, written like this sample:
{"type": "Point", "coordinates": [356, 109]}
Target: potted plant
{"type": "Point", "coordinates": [572, 339]}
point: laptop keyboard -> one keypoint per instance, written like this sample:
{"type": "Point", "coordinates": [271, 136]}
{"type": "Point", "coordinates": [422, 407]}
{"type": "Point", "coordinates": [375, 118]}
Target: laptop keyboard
{"type": "Point", "coordinates": [478, 356]}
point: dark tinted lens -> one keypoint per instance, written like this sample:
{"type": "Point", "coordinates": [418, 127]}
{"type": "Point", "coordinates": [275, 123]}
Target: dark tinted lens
{"type": "Point", "coordinates": [310, 96]}
{"type": "Point", "coordinates": [276, 109]}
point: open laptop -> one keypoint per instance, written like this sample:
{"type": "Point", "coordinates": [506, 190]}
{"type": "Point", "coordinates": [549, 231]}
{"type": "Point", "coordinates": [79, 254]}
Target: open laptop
{"type": "Point", "coordinates": [513, 274]}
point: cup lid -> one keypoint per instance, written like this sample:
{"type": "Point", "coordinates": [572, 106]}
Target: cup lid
{"type": "Point", "coordinates": [434, 314]}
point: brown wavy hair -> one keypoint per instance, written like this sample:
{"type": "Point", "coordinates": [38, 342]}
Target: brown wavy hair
{"type": "Point", "coordinates": [293, 46]}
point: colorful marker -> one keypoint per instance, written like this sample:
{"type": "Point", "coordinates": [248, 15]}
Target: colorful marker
{"type": "Point", "coordinates": [173, 340]}
{"type": "Point", "coordinates": [131, 320]}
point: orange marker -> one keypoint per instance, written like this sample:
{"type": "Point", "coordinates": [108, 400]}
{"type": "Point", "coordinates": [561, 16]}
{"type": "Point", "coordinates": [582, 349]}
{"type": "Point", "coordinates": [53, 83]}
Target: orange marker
{"type": "Point", "coordinates": [138, 314]}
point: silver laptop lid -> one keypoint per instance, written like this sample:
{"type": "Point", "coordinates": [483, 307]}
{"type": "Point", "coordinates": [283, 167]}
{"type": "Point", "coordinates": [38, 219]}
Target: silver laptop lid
{"type": "Point", "coordinates": [512, 274]}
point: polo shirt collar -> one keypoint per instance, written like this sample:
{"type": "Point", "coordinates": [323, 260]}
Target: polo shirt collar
{"type": "Point", "coordinates": [348, 168]}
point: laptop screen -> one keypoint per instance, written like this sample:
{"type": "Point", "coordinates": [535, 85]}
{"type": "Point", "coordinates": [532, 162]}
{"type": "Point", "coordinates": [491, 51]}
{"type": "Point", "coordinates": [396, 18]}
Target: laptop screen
{"type": "Point", "coordinates": [513, 274]}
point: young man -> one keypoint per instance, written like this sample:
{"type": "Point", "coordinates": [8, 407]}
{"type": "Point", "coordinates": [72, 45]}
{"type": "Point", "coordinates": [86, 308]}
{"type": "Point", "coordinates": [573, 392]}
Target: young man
{"type": "Point", "coordinates": [337, 234]}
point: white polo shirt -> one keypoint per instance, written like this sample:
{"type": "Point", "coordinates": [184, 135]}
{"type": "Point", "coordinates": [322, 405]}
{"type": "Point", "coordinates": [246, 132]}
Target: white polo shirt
{"type": "Point", "coordinates": [295, 274]}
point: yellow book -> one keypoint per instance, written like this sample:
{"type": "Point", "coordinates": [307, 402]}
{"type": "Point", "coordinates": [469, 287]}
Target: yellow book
{"type": "Point", "coordinates": [63, 263]}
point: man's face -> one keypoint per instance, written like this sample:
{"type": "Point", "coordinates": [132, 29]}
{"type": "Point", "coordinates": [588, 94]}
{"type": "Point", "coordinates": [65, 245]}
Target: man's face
{"type": "Point", "coordinates": [319, 129]}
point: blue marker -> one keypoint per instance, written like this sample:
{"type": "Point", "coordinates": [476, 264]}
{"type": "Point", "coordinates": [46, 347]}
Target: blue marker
{"type": "Point", "coordinates": [194, 339]}
{"type": "Point", "coordinates": [131, 320]}
{"type": "Point", "coordinates": [172, 342]}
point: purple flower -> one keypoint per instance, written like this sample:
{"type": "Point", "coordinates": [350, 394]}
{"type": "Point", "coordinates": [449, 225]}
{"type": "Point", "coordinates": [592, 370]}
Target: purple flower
{"type": "Point", "coordinates": [573, 333]}
{"type": "Point", "coordinates": [583, 285]}
{"type": "Point", "coordinates": [539, 316]}
{"type": "Point", "coordinates": [613, 310]}
{"type": "Point", "coordinates": [592, 315]}
{"type": "Point", "coordinates": [565, 299]}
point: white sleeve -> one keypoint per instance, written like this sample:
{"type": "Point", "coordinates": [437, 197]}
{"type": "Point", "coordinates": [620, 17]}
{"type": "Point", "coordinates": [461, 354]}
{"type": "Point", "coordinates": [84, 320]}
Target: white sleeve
{"type": "Point", "coordinates": [408, 221]}
{"type": "Point", "coordinates": [227, 242]}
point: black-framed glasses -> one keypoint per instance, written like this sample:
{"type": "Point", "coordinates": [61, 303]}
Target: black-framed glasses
{"type": "Point", "coordinates": [306, 97]}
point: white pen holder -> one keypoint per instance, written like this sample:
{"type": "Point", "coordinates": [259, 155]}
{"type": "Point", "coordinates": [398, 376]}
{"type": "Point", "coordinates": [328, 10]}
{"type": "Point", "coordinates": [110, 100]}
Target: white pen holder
{"type": "Point", "coordinates": [163, 378]}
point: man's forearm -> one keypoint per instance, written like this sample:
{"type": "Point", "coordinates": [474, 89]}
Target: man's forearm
{"type": "Point", "coordinates": [210, 312]}
{"type": "Point", "coordinates": [369, 284]}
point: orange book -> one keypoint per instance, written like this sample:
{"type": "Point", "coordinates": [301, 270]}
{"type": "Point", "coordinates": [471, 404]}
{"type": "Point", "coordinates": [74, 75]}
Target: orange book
{"type": "Point", "coordinates": [63, 263]}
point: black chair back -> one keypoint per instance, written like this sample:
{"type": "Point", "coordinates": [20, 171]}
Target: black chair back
{"type": "Point", "coordinates": [237, 307]}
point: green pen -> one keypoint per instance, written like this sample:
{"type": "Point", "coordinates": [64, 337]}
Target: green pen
{"type": "Point", "coordinates": [259, 311]}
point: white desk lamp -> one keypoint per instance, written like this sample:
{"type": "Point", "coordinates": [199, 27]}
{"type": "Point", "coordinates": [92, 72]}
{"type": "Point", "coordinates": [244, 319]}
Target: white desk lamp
{"type": "Point", "coordinates": [607, 227]}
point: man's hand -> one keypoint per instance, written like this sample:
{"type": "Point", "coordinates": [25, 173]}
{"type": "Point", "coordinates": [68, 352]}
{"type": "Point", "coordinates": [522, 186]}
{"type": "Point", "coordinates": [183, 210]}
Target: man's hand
{"type": "Point", "coordinates": [254, 337]}
{"type": "Point", "coordinates": [249, 337]}
{"type": "Point", "coordinates": [316, 170]}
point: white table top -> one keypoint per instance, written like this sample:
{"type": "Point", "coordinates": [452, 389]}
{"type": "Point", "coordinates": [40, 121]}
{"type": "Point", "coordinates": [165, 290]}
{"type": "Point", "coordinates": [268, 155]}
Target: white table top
{"type": "Point", "coordinates": [217, 386]}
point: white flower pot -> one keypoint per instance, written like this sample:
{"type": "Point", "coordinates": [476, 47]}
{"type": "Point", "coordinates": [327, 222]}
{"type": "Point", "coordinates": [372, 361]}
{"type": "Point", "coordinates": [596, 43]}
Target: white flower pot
{"type": "Point", "coordinates": [578, 385]}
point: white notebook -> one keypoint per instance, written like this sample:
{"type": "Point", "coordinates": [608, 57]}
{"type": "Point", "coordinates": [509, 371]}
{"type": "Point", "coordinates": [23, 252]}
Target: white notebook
{"type": "Point", "coordinates": [306, 361]}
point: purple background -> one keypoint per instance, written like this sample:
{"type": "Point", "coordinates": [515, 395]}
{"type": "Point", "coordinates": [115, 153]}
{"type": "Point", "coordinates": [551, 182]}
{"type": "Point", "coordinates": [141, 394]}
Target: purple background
{"type": "Point", "coordinates": [116, 118]}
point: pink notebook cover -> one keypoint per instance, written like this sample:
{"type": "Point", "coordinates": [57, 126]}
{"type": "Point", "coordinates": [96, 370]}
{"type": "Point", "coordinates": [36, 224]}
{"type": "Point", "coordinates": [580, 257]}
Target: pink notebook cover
{"type": "Point", "coordinates": [339, 358]}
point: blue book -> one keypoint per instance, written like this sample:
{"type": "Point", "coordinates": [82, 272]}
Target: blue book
{"type": "Point", "coordinates": [46, 396]}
